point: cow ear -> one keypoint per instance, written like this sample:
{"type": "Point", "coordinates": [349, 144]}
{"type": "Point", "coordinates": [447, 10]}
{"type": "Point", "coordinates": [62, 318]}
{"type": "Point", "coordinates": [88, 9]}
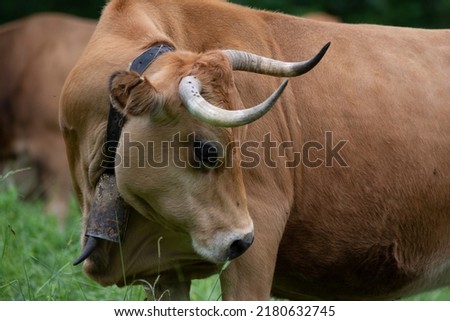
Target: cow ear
{"type": "Point", "coordinates": [134, 95]}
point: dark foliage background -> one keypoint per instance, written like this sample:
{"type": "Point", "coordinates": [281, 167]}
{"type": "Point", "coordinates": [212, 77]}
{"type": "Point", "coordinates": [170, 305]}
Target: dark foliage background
{"type": "Point", "coordinates": [412, 13]}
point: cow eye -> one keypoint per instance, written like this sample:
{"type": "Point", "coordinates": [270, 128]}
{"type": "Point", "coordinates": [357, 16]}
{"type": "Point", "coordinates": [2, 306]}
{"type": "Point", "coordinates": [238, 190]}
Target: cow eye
{"type": "Point", "coordinates": [207, 153]}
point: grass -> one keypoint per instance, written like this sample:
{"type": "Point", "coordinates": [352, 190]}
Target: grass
{"type": "Point", "coordinates": [36, 259]}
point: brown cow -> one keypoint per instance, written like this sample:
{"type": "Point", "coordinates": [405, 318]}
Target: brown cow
{"type": "Point", "coordinates": [321, 16]}
{"type": "Point", "coordinates": [345, 182]}
{"type": "Point", "coordinates": [37, 54]}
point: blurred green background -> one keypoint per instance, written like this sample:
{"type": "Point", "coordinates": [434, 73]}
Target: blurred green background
{"type": "Point", "coordinates": [412, 13]}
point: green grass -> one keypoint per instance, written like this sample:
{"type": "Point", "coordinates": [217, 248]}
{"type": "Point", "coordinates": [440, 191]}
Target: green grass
{"type": "Point", "coordinates": [36, 259]}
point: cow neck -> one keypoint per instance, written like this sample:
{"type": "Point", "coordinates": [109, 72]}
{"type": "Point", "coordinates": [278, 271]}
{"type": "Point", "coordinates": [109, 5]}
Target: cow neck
{"type": "Point", "coordinates": [116, 120]}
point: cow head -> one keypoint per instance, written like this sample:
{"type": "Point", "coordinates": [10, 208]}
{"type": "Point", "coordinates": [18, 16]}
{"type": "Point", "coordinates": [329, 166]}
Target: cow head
{"type": "Point", "coordinates": [176, 161]}
{"type": "Point", "coordinates": [179, 175]}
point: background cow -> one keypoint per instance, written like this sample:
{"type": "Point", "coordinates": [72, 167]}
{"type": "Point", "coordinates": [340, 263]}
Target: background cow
{"type": "Point", "coordinates": [36, 54]}
{"type": "Point", "coordinates": [372, 224]}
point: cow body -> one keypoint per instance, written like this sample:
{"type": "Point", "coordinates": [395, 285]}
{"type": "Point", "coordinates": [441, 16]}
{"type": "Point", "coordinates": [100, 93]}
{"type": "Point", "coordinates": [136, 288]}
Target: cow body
{"type": "Point", "coordinates": [370, 223]}
{"type": "Point", "coordinates": [37, 54]}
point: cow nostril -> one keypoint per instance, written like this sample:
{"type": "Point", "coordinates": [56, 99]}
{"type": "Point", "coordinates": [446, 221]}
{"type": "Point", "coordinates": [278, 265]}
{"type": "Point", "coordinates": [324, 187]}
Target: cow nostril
{"type": "Point", "coordinates": [238, 247]}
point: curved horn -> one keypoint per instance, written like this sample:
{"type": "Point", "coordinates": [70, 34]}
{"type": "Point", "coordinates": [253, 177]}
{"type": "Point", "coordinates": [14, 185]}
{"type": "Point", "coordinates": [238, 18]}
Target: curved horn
{"type": "Point", "coordinates": [88, 248]}
{"type": "Point", "coordinates": [190, 88]}
{"type": "Point", "coordinates": [245, 61]}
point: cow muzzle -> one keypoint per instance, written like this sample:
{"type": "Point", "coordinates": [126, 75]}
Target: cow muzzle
{"type": "Point", "coordinates": [224, 246]}
{"type": "Point", "coordinates": [239, 246]}
{"type": "Point", "coordinates": [108, 216]}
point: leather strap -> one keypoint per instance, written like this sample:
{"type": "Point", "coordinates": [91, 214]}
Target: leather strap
{"type": "Point", "coordinates": [141, 63]}
{"type": "Point", "coordinates": [115, 119]}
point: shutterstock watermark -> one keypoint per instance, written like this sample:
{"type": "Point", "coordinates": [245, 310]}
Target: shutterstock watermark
{"type": "Point", "coordinates": [196, 152]}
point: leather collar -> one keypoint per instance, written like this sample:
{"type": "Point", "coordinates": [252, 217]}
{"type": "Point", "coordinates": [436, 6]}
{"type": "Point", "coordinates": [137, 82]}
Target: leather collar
{"type": "Point", "coordinates": [115, 118]}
